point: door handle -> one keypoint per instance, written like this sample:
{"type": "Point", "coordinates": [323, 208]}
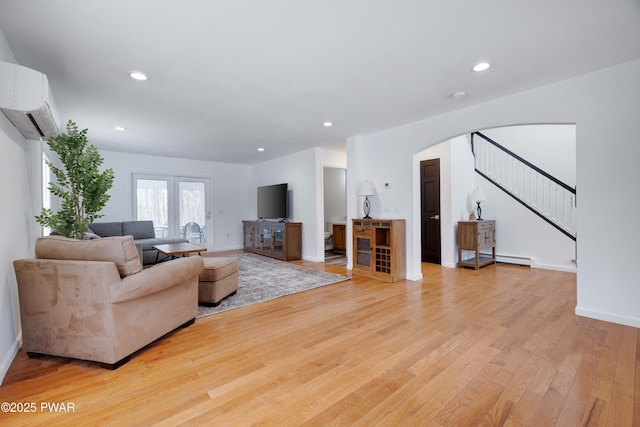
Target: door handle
{"type": "Point", "coordinates": [435, 217]}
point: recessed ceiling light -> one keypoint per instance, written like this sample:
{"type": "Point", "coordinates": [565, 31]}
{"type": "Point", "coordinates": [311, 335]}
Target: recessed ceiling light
{"type": "Point", "coordinates": [327, 124]}
{"type": "Point", "coordinates": [120, 128]}
{"type": "Point", "coordinates": [458, 95]}
{"type": "Point", "coordinates": [260, 149]}
{"type": "Point", "coordinates": [482, 66]}
{"type": "Point", "coordinates": [138, 76]}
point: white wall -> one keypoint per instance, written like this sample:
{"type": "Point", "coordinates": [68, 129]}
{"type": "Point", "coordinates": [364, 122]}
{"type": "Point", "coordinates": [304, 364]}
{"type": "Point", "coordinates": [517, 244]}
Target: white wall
{"type": "Point", "coordinates": [604, 106]}
{"type": "Point", "coordinates": [462, 184]}
{"type": "Point", "coordinates": [20, 194]}
{"type": "Point", "coordinates": [550, 147]}
{"type": "Point", "coordinates": [20, 173]}
{"type": "Point", "coordinates": [230, 192]}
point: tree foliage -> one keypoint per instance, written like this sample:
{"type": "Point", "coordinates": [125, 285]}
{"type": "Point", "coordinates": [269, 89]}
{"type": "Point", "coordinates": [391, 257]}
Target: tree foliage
{"type": "Point", "coordinates": [80, 186]}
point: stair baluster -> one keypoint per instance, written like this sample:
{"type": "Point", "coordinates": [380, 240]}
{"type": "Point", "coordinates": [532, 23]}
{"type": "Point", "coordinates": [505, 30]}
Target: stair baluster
{"type": "Point", "coordinates": [543, 194]}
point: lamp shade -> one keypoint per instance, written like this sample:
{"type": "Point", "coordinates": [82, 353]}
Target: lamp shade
{"type": "Point", "coordinates": [366, 189]}
{"type": "Point", "coordinates": [478, 195]}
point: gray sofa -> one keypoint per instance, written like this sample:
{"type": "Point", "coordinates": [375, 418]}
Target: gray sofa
{"type": "Point", "coordinates": [143, 234]}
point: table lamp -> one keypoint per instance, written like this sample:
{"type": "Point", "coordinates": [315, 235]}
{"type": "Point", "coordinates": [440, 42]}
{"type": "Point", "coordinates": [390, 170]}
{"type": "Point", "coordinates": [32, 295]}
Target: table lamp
{"type": "Point", "coordinates": [478, 196]}
{"type": "Point", "coordinates": [366, 190]}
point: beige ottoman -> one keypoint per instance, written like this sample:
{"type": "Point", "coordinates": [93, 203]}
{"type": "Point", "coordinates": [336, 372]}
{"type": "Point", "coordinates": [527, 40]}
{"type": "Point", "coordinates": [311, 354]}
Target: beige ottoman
{"type": "Point", "coordinates": [218, 280]}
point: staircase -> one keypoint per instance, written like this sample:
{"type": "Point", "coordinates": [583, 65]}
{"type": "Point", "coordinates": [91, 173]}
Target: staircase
{"type": "Point", "coordinates": [546, 196]}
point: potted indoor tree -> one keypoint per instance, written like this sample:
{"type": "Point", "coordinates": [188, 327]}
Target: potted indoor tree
{"type": "Point", "coordinates": [80, 186]}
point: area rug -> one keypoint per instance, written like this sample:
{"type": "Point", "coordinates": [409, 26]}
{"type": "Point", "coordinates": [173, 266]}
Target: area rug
{"type": "Point", "coordinates": [261, 279]}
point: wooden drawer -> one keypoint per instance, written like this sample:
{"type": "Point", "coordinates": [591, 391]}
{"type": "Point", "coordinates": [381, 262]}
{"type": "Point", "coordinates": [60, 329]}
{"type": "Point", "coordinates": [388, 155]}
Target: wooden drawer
{"type": "Point", "coordinates": [485, 225]}
{"type": "Point", "coordinates": [362, 231]}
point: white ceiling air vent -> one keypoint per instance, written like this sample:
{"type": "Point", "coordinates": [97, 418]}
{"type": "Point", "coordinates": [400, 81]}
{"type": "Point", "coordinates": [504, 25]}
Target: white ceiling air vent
{"type": "Point", "coordinates": [25, 98]}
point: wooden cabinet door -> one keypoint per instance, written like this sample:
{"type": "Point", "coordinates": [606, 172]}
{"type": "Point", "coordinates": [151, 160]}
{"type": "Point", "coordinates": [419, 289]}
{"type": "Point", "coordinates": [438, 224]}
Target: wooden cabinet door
{"type": "Point", "coordinates": [467, 235]}
{"type": "Point", "coordinates": [278, 239]}
{"type": "Point", "coordinates": [363, 253]}
{"type": "Point", "coordinates": [339, 238]}
{"type": "Point", "coordinates": [362, 247]}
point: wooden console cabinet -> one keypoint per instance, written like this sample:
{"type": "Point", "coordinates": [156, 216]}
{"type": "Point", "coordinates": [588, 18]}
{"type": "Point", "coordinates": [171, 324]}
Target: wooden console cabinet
{"type": "Point", "coordinates": [281, 240]}
{"type": "Point", "coordinates": [474, 236]}
{"type": "Point", "coordinates": [379, 248]}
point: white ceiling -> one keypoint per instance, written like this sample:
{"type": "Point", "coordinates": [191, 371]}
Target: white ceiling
{"type": "Point", "coordinates": [227, 77]}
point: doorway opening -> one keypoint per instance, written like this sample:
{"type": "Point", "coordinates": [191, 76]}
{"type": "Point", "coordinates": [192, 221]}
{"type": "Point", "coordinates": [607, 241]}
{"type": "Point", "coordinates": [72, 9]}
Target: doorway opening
{"type": "Point", "coordinates": [335, 214]}
{"type": "Point", "coordinates": [430, 210]}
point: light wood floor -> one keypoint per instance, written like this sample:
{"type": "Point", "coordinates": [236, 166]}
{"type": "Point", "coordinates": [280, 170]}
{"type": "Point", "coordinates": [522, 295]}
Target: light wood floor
{"type": "Point", "coordinates": [501, 346]}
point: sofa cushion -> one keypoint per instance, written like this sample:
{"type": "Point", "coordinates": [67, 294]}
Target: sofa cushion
{"type": "Point", "coordinates": [138, 229]}
{"type": "Point", "coordinates": [118, 249]}
{"type": "Point", "coordinates": [106, 229]}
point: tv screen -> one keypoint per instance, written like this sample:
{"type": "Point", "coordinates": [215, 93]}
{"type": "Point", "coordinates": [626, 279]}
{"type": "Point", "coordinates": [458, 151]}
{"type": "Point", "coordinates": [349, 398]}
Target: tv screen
{"type": "Point", "coordinates": [272, 201]}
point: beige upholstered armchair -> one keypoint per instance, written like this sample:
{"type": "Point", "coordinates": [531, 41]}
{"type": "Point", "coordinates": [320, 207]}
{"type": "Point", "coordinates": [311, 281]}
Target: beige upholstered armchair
{"type": "Point", "coordinates": [91, 299]}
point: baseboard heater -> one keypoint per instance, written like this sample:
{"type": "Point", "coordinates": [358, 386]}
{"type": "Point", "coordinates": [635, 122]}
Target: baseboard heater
{"type": "Point", "coordinates": [513, 259]}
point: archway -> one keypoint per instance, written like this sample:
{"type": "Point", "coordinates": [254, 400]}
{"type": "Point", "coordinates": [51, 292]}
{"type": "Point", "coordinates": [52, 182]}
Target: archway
{"type": "Point", "coordinates": [525, 239]}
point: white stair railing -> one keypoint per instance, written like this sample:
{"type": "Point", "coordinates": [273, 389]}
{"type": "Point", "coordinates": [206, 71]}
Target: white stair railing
{"type": "Point", "coordinates": [548, 197]}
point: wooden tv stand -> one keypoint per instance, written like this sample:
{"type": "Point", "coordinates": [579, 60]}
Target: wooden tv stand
{"type": "Point", "coordinates": [281, 240]}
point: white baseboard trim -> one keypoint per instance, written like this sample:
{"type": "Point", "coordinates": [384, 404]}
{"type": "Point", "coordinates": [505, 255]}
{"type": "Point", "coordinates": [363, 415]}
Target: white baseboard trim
{"type": "Point", "coordinates": [531, 262]}
{"type": "Point", "coordinates": [8, 358]}
{"type": "Point", "coordinates": [568, 269]}
{"type": "Point", "coordinates": [513, 259]}
{"type": "Point", "coordinates": [312, 259]}
{"type": "Point", "coordinates": [608, 317]}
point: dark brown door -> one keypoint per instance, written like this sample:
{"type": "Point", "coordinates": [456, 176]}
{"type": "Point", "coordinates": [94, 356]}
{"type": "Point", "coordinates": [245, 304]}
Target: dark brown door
{"type": "Point", "coordinates": [430, 210]}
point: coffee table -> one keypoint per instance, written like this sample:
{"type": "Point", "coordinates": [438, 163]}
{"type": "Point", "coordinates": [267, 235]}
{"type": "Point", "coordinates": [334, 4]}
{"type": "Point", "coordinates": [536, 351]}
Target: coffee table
{"type": "Point", "coordinates": [172, 250]}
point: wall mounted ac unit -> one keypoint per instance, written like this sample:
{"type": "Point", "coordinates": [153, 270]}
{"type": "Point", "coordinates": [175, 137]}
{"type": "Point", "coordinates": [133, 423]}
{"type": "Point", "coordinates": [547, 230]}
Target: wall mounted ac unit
{"type": "Point", "coordinates": [26, 100]}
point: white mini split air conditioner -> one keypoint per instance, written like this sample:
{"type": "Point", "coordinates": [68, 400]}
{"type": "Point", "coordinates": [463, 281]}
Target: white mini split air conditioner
{"type": "Point", "coordinates": [25, 98]}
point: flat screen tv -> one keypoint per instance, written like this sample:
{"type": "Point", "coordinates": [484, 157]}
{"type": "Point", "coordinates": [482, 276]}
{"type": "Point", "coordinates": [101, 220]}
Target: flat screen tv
{"type": "Point", "coordinates": [272, 201]}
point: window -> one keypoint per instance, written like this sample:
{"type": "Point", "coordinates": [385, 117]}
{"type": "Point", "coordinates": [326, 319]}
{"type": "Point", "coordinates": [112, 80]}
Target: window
{"type": "Point", "coordinates": [46, 194]}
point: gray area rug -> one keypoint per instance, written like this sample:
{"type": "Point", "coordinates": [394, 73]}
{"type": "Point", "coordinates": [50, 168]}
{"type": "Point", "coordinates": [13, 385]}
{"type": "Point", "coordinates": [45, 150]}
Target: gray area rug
{"type": "Point", "coordinates": [261, 278]}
